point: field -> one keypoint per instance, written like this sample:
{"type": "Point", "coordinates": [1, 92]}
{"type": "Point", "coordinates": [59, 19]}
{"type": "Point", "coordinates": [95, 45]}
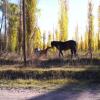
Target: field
{"type": "Point", "coordinates": [49, 75]}
{"type": "Point", "coordinates": [43, 68]}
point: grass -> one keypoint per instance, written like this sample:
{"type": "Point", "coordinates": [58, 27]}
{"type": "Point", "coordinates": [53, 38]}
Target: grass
{"type": "Point", "coordinates": [49, 74]}
{"type": "Point", "coordinates": [80, 73]}
{"type": "Point", "coordinates": [49, 85]}
{"type": "Point", "coordinates": [41, 85]}
{"type": "Point", "coordinates": [49, 79]}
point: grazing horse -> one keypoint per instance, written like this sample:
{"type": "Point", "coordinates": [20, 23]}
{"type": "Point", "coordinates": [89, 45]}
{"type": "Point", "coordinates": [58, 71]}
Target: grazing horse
{"type": "Point", "coordinates": [71, 44]}
{"type": "Point", "coordinates": [42, 52]}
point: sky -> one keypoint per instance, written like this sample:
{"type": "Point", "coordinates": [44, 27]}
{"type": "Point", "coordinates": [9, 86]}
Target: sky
{"type": "Point", "coordinates": [77, 15]}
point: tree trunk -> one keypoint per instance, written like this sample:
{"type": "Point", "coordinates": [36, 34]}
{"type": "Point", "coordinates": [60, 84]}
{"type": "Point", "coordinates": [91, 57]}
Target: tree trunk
{"type": "Point", "coordinates": [24, 33]}
{"type": "Point", "coordinates": [5, 35]}
{"type": "Point", "coordinates": [20, 29]}
{"type": "Point", "coordinates": [1, 34]}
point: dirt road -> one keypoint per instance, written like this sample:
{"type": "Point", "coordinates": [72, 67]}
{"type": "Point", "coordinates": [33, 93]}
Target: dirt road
{"type": "Point", "coordinates": [90, 93]}
{"type": "Point", "coordinates": [17, 94]}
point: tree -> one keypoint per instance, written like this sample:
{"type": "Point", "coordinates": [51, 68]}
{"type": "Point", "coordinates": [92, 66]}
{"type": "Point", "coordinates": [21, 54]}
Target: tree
{"type": "Point", "coordinates": [24, 33]}
{"type": "Point", "coordinates": [1, 44]}
{"type": "Point", "coordinates": [86, 39]}
{"type": "Point", "coordinates": [98, 35]}
{"type": "Point", "coordinates": [4, 8]}
{"type": "Point", "coordinates": [76, 33]}
{"type": "Point", "coordinates": [44, 39]}
{"type": "Point", "coordinates": [96, 42]}
{"type": "Point", "coordinates": [81, 44]}
{"type": "Point", "coordinates": [1, 21]}
{"type": "Point", "coordinates": [19, 45]}
{"type": "Point", "coordinates": [75, 37]}
{"type": "Point", "coordinates": [37, 41]}
{"type": "Point", "coordinates": [90, 29]}
{"type": "Point", "coordinates": [63, 20]}
{"type": "Point", "coordinates": [50, 38]}
{"type": "Point", "coordinates": [13, 24]}
{"type": "Point", "coordinates": [57, 35]}
{"type": "Point", "coordinates": [30, 23]}
{"type": "Point", "coordinates": [5, 14]}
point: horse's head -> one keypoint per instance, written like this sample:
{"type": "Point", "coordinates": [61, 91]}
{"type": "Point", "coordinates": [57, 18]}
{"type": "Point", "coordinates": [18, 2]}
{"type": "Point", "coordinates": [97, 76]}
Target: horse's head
{"type": "Point", "coordinates": [52, 43]}
{"type": "Point", "coordinates": [55, 44]}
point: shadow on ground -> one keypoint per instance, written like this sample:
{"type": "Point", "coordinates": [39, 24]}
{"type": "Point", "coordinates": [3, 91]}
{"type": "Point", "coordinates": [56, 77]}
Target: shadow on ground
{"type": "Point", "coordinates": [53, 62]}
{"type": "Point", "coordinates": [76, 91]}
{"type": "Point", "coordinates": [62, 62]}
{"type": "Point", "coordinates": [9, 62]}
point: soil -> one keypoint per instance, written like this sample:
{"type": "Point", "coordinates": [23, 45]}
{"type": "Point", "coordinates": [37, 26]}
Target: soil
{"type": "Point", "coordinates": [90, 93]}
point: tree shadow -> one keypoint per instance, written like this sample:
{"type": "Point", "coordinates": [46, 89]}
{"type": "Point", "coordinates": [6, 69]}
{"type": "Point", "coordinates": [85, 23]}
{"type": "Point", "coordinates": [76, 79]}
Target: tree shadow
{"type": "Point", "coordinates": [85, 74]}
{"type": "Point", "coordinates": [9, 62]}
{"type": "Point", "coordinates": [74, 91]}
{"type": "Point", "coordinates": [68, 62]}
{"type": "Point", "coordinates": [54, 62]}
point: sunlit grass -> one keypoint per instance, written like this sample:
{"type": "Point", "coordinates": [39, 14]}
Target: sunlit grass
{"type": "Point", "coordinates": [63, 68]}
{"type": "Point", "coordinates": [36, 84]}
{"type": "Point", "coordinates": [82, 72]}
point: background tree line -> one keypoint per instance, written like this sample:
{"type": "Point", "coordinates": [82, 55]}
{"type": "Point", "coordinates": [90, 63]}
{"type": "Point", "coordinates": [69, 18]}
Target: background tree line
{"type": "Point", "coordinates": [11, 28]}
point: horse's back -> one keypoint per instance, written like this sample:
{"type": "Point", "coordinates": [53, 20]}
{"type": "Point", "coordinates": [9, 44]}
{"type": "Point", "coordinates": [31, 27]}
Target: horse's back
{"type": "Point", "coordinates": [70, 42]}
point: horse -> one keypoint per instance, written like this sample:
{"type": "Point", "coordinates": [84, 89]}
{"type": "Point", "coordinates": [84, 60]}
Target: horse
{"type": "Point", "coordinates": [62, 46]}
{"type": "Point", "coordinates": [41, 52]}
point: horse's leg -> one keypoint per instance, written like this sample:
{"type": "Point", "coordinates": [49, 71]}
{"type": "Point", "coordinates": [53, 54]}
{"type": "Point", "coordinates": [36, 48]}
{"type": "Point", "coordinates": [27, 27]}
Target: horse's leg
{"type": "Point", "coordinates": [61, 53]}
{"type": "Point", "coordinates": [71, 53]}
{"type": "Point", "coordinates": [75, 53]}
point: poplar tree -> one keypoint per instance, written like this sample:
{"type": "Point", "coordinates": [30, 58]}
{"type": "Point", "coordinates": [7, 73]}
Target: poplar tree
{"type": "Point", "coordinates": [76, 33]}
{"type": "Point", "coordinates": [37, 41]}
{"type": "Point", "coordinates": [50, 38]}
{"type": "Point", "coordinates": [86, 39]}
{"type": "Point", "coordinates": [81, 44]}
{"type": "Point", "coordinates": [30, 24]}
{"type": "Point", "coordinates": [57, 35]}
{"type": "Point", "coordinates": [90, 29]}
{"type": "Point", "coordinates": [98, 35]}
{"type": "Point", "coordinates": [13, 23]}
{"type": "Point", "coordinates": [44, 40]}
{"type": "Point", "coordinates": [63, 20]}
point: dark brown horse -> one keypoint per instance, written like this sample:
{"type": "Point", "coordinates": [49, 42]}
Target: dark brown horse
{"type": "Point", "coordinates": [62, 46]}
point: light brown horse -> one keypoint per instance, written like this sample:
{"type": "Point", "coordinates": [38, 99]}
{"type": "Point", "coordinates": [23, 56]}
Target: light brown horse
{"type": "Point", "coordinates": [41, 52]}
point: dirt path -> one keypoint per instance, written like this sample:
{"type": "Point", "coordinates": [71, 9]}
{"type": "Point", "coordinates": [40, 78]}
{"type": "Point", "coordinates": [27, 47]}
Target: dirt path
{"type": "Point", "coordinates": [60, 94]}
{"type": "Point", "coordinates": [63, 95]}
{"type": "Point", "coordinates": [17, 94]}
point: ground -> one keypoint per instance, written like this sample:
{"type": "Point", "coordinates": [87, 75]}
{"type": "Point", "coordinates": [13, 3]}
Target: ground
{"type": "Point", "coordinates": [72, 92]}
{"type": "Point", "coordinates": [50, 79]}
